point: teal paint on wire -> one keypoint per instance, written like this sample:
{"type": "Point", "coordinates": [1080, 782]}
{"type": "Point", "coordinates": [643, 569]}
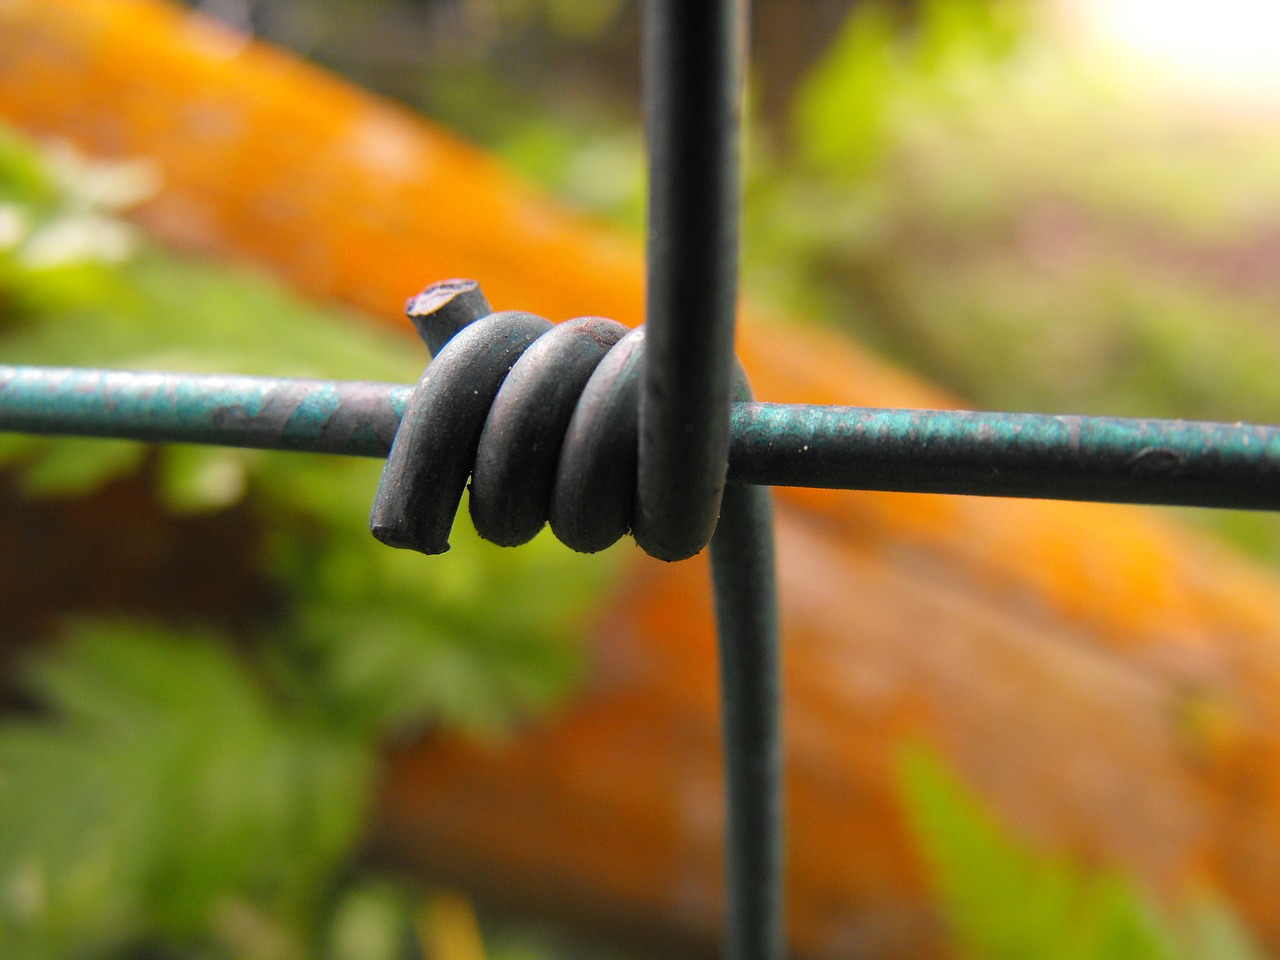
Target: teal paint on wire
{"type": "Point", "coordinates": [356, 418]}
{"type": "Point", "coordinates": [922, 451]}
{"type": "Point", "coordinates": [1110, 459]}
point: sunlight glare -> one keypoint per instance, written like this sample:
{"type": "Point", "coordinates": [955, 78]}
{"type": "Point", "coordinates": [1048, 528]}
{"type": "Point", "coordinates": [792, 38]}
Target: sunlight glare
{"type": "Point", "coordinates": [1229, 46]}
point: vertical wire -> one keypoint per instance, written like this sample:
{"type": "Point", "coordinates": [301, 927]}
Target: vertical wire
{"type": "Point", "coordinates": [693, 54]}
{"type": "Point", "coordinates": [742, 567]}
{"type": "Point", "coordinates": [693, 58]}
{"type": "Point", "coordinates": [743, 572]}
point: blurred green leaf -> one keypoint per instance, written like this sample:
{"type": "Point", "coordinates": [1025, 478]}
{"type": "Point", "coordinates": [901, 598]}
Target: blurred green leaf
{"type": "Point", "coordinates": [164, 788]}
{"type": "Point", "coordinates": [1004, 901]}
{"type": "Point", "coordinates": [372, 921]}
{"type": "Point", "coordinates": [842, 114]}
{"type": "Point", "coordinates": [390, 639]}
{"type": "Point", "coordinates": [73, 465]}
{"type": "Point", "coordinates": [879, 75]}
{"type": "Point", "coordinates": [24, 176]}
{"type": "Point", "coordinates": [190, 793]}
{"type": "Point", "coordinates": [972, 198]}
{"type": "Point", "coordinates": [1215, 933]}
{"type": "Point", "coordinates": [199, 479]}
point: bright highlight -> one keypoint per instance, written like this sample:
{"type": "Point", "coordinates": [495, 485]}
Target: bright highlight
{"type": "Point", "coordinates": [1220, 46]}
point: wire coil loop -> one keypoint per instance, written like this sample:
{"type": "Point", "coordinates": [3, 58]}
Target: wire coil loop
{"type": "Point", "coordinates": [543, 418]}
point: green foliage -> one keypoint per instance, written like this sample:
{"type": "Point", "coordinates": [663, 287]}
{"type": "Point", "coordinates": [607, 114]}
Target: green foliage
{"type": "Point", "coordinates": [165, 792]}
{"type": "Point", "coordinates": [969, 197]}
{"type": "Point", "coordinates": [178, 791]}
{"type": "Point", "coordinates": [371, 921]}
{"type": "Point", "coordinates": [966, 183]}
{"type": "Point", "coordinates": [392, 639]}
{"type": "Point", "coordinates": [571, 17]}
{"type": "Point", "coordinates": [1004, 901]}
{"type": "Point", "coordinates": [877, 74]}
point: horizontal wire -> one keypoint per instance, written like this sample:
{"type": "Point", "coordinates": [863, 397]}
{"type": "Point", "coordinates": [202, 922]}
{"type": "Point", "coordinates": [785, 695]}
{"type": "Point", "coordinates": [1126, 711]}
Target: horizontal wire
{"type": "Point", "coordinates": [1110, 459]}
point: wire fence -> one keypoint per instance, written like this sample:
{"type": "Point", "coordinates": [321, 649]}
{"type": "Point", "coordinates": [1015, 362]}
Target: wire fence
{"type": "Point", "coordinates": [699, 453]}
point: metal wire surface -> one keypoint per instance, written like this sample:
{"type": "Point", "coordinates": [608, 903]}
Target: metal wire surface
{"type": "Point", "coordinates": [693, 65]}
{"type": "Point", "coordinates": [1110, 459]}
{"type": "Point", "coordinates": [694, 60]}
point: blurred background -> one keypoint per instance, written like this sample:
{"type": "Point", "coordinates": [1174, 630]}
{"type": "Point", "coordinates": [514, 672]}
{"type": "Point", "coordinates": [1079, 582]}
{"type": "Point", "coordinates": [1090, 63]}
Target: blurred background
{"type": "Point", "coordinates": [209, 668]}
{"type": "Point", "coordinates": [1083, 186]}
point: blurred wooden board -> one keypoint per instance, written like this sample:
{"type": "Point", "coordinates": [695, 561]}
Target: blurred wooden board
{"type": "Point", "coordinates": [1107, 680]}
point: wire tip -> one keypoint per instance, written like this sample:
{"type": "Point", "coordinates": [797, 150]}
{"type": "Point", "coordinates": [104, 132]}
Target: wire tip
{"type": "Point", "coordinates": [444, 308]}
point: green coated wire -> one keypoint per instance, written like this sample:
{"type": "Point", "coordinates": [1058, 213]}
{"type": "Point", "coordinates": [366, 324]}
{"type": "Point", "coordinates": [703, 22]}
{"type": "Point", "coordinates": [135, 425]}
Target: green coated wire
{"type": "Point", "coordinates": [1175, 462]}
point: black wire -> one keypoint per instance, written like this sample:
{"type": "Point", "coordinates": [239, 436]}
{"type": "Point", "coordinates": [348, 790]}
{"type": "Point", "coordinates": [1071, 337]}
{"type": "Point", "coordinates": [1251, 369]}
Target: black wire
{"type": "Point", "coordinates": [694, 55]}
{"type": "Point", "coordinates": [693, 70]}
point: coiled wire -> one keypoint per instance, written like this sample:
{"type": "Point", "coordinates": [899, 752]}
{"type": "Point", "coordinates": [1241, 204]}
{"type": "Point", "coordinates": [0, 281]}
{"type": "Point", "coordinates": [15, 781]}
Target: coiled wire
{"type": "Point", "coordinates": [543, 418]}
